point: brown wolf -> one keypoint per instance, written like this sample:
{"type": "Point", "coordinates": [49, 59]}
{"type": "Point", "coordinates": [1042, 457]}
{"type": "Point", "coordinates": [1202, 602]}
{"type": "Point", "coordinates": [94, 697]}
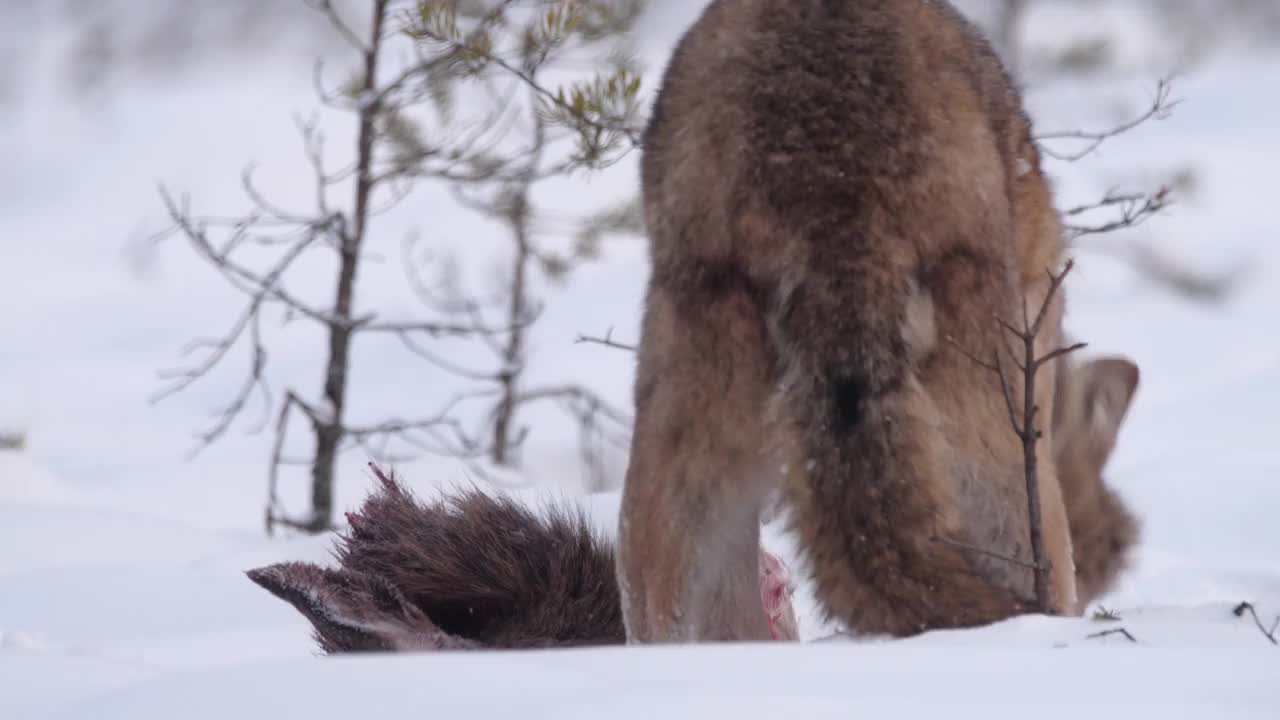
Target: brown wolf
{"type": "Point", "coordinates": [475, 571]}
{"type": "Point", "coordinates": [832, 188]}
{"type": "Point", "coordinates": [1090, 403]}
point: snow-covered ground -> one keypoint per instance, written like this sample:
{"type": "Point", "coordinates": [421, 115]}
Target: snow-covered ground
{"type": "Point", "coordinates": [121, 585]}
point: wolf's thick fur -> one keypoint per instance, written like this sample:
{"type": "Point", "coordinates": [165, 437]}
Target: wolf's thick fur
{"type": "Point", "coordinates": [832, 189]}
{"type": "Point", "coordinates": [482, 572]}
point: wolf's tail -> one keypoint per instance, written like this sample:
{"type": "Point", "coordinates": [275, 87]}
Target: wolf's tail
{"type": "Point", "coordinates": [872, 497]}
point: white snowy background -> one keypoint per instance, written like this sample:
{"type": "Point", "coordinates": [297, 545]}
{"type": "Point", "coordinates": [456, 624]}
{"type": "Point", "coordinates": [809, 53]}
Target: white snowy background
{"type": "Point", "coordinates": [121, 585]}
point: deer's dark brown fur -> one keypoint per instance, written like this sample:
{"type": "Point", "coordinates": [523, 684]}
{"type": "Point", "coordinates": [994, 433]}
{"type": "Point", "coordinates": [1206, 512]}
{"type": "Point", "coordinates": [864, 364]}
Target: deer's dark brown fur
{"type": "Point", "coordinates": [472, 570]}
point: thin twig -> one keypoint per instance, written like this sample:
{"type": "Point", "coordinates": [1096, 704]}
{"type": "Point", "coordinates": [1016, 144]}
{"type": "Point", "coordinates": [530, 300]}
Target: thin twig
{"type": "Point", "coordinates": [325, 7]}
{"type": "Point", "coordinates": [607, 341]}
{"type": "Point", "coordinates": [984, 551]}
{"type": "Point", "coordinates": [1105, 614]}
{"type": "Point", "coordinates": [1160, 108]}
{"type": "Point", "coordinates": [579, 394]}
{"type": "Point", "coordinates": [1248, 607]}
{"type": "Point", "coordinates": [426, 67]}
{"type": "Point", "coordinates": [1134, 209]}
{"type": "Point", "coordinates": [277, 454]}
{"type": "Point", "coordinates": [1113, 631]}
{"type": "Point", "coordinates": [996, 366]}
{"type": "Point", "coordinates": [1025, 429]}
{"type": "Point", "coordinates": [602, 125]}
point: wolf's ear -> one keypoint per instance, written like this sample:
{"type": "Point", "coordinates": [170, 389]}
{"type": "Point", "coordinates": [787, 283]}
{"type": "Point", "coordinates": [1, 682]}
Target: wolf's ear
{"type": "Point", "coordinates": [1108, 385]}
{"type": "Point", "coordinates": [354, 612]}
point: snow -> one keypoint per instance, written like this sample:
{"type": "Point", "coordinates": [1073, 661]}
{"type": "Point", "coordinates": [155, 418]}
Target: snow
{"type": "Point", "coordinates": [122, 592]}
{"type": "Point", "coordinates": [23, 479]}
{"type": "Point", "coordinates": [812, 682]}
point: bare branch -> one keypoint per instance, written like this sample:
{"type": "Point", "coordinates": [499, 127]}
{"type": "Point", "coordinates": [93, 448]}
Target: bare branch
{"type": "Point", "coordinates": [983, 551]}
{"type": "Point", "coordinates": [274, 211]}
{"type": "Point", "coordinates": [388, 152]}
{"type": "Point", "coordinates": [1055, 282]}
{"type": "Point", "coordinates": [313, 148]}
{"type": "Point", "coordinates": [1020, 429]}
{"type": "Point", "coordinates": [254, 380]}
{"type": "Point", "coordinates": [1054, 354]}
{"type": "Point", "coordinates": [423, 68]}
{"type": "Point", "coordinates": [1134, 210]}
{"type": "Point", "coordinates": [438, 329]}
{"type": "Point", "coordinates": [455, 304]}
{"type": "Point", "coordinates": [996, 366]}
{"type": "Point", "coordinates": [1113, 631]}
{"type": "Point", "coordinates": [576, 392]}
{"type": "Point", "coordinates": [1025, 429]}
{"type": "Point", "coordinates": [417, 349]}
{"type": "Point", "coordinates": [248, 320]}
{"type": "Point", "coordinates": [604, 125]}
{"type": "Point", "coordinates": [607, 341]}
{"type": "Point", "coordinates": [1160, 108]}
{"type": "Point", "coordinates": [1104, 614]}
{"type": "Point", "coordinates": [273, 470]}
{"type": "Point", "coordinates": [1248, 607]}
{"type": "Point", "coordinates": [260, 287]}
{"type": "Point", "coordinates": [325, 7]}
{"type": "Point", "coordinates": [274, 514]}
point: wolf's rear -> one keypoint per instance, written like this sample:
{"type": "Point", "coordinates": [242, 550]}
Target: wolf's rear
{"type": "Point", "coordinates": [834, 191]}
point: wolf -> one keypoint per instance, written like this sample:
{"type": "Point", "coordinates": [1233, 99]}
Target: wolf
{"type": "Point", "coordinates": [1092, 401]}
{"type": "Point", "coordinates": [477, 571]}
{"type": "Point", "coordinates": [843, 199]}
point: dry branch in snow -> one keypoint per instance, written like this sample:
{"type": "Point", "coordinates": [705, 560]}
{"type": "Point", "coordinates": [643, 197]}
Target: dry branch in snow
{"type": "Point", "coordinates": [1113, 631]}
{"type": "Point", "coordinates": [1025, 426]}
{"type": "Point", "coordinates": [1268, 633]}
